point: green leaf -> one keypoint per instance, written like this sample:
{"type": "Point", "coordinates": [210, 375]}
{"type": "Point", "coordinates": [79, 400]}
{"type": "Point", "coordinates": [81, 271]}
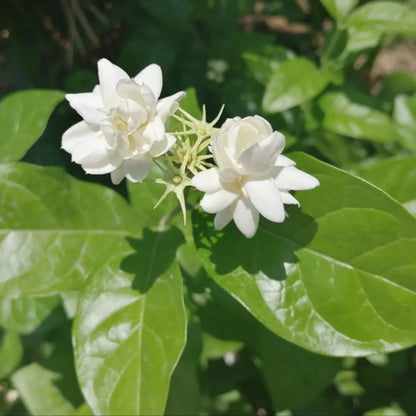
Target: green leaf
{"type": "Point", "coordinates": [359, 40]}
{"type": "Point", "coordinates": [396, 176]}
{"type": "Point", "coordinates": [352, 119]}
{"type": "Point", "coordinates": [404, 114]}
{"type": "Point", "coordinates": [392, 410]}
{"type": "Point", "coordinates": [83, 410]}
{"type": "Point", "coordinates": [72, 226]}
{"type": "Point", "coordinates": [23, 117]}
{"type": "Point", "coordinates": [143, 198]}
{"type": "Point", "coordinates": [397, 83]}
{"type": "Point", "coordinates": [38, 390]}
{"type": "Point", "coordinates": [184, 393]}
{"type": "Point", "coordinates": [265, 61]}
{"type": "Point", "coordinates": [294, 82]}
{"type": "Point", "coordinates": [11, 352]}
{"type": "Point", "coordinates": [337, 277]}
{"type": "Point", "coordinates": [130, 328]}
{"type": "Point", "coordinates": [338, 149]}
{"type": "Point", "coordinates": [383, 17]}
{"type": "Point", "coordinates": [334, 53]}
{"type": "Point", "coordinates": [405, 110]}
{"type": "Point", "coordinates": [25, 314]}
{"type": "Point", "coordinates": [293, 376]}
{"type": "Point", "coordinates": [339, 9]}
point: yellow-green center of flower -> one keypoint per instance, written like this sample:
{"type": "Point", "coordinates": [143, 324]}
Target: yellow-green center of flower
{"type": "Point", "coordinates": [120, 124]}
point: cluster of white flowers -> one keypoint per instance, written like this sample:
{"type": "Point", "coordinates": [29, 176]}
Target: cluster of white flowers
{"type": "Point", "coordinates": [123, 132]}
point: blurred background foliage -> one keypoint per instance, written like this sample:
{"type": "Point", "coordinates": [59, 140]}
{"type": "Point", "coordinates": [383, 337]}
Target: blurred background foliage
{"type": "Point", "coordinates": [354, 105]}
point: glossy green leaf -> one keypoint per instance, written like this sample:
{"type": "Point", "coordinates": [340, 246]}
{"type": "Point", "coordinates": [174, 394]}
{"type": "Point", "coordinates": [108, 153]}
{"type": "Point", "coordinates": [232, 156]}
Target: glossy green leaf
{"type": "Point", "coordinates": [405, 110]}
{"type": "Point", "coordinates": [340, 150]}
{"type": "Point", "coordinates": [293, 376]}
{"type": "Point", "coordinates": [294, 82]}
{"type": "Point", "coordinates": [38, 390]}
{"type": "Point", "coordinates": [25, 314]}
{"type": "Point", "coordinates": [339, 9]}
{"type": "Point", "coordinates": [393, 410]}
{"type": "Point", "coordinates": [265, 61]}
{"type": "Point", "coordinates": [404, 114]}
{"type": "Point", "coordinates": [397, 83]}
{"type": "Point", "coordinates": [143, 198]}
{"type": "Point", "coordinates": [337, 277]}
{"type": "Point", "coordinates": [359, 40]}
{"type": "Point", "coordinates": [184, 393]}
{"type": "Point", "coordinates": [352, 119]}
{"type": "Point", "coordinates": [396, 176]}
{"type": "Point", "coordinates": [23, 117]}
{"type": "Point", "coordinates": [384, 17]}
{"type": "Point", "coordinates": [83, 410]}
{"type": "Point", "coordinates": [130, 328]}
{"type": "Point", "coordinates": [11, 352]}
{"type": "Point", "coordinates": [55, 229]}
{"type": "Point", "coordinates": [334, 53]}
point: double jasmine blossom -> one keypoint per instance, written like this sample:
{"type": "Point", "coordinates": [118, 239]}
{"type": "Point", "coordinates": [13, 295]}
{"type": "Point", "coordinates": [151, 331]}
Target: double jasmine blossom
{"type": "Point", "coordinates": [251, 176]}
{"type": "Point", "coordinates": [124, 123]}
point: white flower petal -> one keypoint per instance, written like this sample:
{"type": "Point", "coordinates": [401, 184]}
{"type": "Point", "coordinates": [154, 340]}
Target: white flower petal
{"type": "Point", "coordinates": [284, 161]}
{"type": "Point", "coordinates": [106, 165]}
{"type": "Point", "coordinates": [207, 180]}
{"type": "Point", "coordinates": [246, 217]}
{"type": "Point", "coordinates": [152, 77]}
{"type": "Point", "coordinates": [91, 150]}
{"type": "Point", "coordinates": [220, 156]}
{"type": "Point", "coordinates": [129, 89]}
{"type": "Point", "coordinates": [265, 197]}
{"type": "Point", "coordinates": [134, 170]}
{"type": "Point", "coordinates": [155, 130]}
{"type": "Point", "coordinates": [163, 146]}
{"type": "Point", "coordinates": [273, 144]}
{"type": "Point", "coordinates": [88, 148]}
{"type": "Point", "coordinates": [75, 135]}
{"type": "Point", "coordinates": [118, 175]}
{"type": "Point", "coordinates": [288, 198]}
{"type": "Point", "coordinates": [137, 169]}
{"type": "Point", "coordinates": [109, 75]}
{"type": "Point", "coordinates": [168, 105]}
{"type": "Point", "coordinates": [262, 125]}
{"type": "Point", "coordinates": [254, 160]}
{"type": "Point", "coordinates": [291, 178]}
{"type": "Point", "coordinates": [224, 217]}
{"type": "Point", "coordinates": [88, 105]}
{"type": "Point", "coordinates": [229, 175]}
{"type": "Point", "coordinates": [217, 201]}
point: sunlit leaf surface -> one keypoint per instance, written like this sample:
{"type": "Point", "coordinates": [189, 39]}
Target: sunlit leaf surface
{"type": "Point", "coordinates": [337, 277]}
{"type": "Point", "coordinates": [23, 117]}
{"type": "Point", "coordinates": [130, 328]}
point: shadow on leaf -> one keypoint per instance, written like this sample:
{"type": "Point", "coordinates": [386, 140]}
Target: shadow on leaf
{"type": "Point", "coordinates": [271, 251]}
{"type": "Point", "coordinates": [154, 253]}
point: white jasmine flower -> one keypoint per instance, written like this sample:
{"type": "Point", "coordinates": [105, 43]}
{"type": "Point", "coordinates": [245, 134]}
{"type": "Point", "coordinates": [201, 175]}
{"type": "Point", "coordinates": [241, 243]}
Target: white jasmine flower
{"type": "Point", "coordinates": [124, 123]}
{"type": "Point", "coordinates": [251, 176]}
